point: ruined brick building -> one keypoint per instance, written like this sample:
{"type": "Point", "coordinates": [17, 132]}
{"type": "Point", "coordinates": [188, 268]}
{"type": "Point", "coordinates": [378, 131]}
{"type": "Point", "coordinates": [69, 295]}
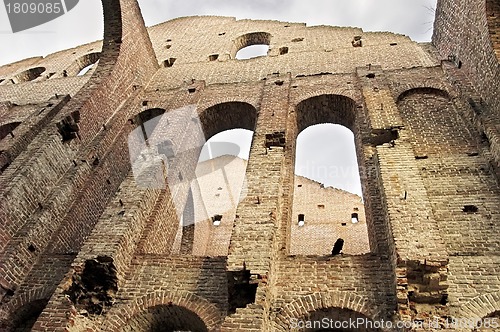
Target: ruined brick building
{"type": "Point", "coordinates": [89, 236]}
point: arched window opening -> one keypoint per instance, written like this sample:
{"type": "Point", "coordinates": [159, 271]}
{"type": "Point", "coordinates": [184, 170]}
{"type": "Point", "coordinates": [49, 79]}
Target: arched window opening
{"type": "Point", "coordinates": [217, 183]}
{"type": "Point", "coordinates": [168, 318]}
{"type": "Point", "coordinates": [86, 69]}
{"type": "Point", "coordinates": [253, 51]}
{"type": "Point", "coordinates": [28, 75]}
{"type": "Point", "coordinates": [85, 63]}
{"type": "Point", "coordinates": [252, 45]}
{"type": "Point", "coordinates": [8, 129]}
{"type": "Point", "coordinates": [327, 180]}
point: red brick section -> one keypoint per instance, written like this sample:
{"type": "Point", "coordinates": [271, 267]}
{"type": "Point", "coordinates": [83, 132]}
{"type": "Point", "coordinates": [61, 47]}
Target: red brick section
{"type": "Point", "coordinates": [464, 31]}
{"type": "Point", "coordinates": [426, 135]}
{"type": "Point", "coordinates": [14, 144]}
{"type": "Point", "coordinates": [493, 17]}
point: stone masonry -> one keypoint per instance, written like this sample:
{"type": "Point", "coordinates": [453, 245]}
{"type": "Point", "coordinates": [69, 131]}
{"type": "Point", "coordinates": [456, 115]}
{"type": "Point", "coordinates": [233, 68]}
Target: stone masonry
{"type": "Point", "coordinates": [100, 222]}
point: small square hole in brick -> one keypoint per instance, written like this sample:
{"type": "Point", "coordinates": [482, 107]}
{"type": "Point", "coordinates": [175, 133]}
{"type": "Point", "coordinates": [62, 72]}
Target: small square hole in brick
{"type": "Point", "coordinates": [470, 208]}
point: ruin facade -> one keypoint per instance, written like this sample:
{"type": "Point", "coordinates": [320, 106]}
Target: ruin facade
{"type": "Point", "coordinates": [94, 186]}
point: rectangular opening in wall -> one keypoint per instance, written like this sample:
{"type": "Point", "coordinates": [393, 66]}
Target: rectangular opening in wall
{"type": "Point", "coordinates": [301, 220]}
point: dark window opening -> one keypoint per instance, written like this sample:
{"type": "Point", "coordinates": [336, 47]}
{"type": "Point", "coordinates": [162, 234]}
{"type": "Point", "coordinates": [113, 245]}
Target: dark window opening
{"type": "Point", "coordinates": [216, 220]}
{"type": "Point", "coordinates": [301, 220]}
{"type": "Point", "coordinates": [27, 315]}
{"type": "Point", "coordinates": [242, 289]}
{"type": "Point", "coordinates": [470, 209]}
{"type": "Point", "coordinates": [283, 50]}
{"type": "Point", "coordinates": [7, 129]}
{"type": "Point", "coordinates": [169, 62]}
{"type": "Point", "coordinates": [393, 44]}
{"type": "Point", "coordinates": [371, 75]}
{"type": "Point", "coordinates": [296, 40]}
{"type": "Point", "coordinates": [354, 218]}
{"type": "Point", "coordinates": [344, 224]}
{"type": "Point", "coordinates": [213, 57]}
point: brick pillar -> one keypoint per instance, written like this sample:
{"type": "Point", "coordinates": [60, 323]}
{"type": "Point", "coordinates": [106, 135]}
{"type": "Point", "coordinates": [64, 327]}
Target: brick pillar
{"type": "Point", "coordinates": [254, 232]}
{"type": "Point", "coordinates": [417, 251]}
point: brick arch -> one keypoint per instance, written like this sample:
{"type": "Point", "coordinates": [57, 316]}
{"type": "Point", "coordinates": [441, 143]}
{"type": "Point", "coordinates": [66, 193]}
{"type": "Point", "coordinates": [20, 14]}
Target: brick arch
{"type": "Point", "coordinates": [82, 62]}
{"type": "Point", "coordinates": [480, 306]}
{"type": "Point", "coordinates": [125, 37]}
{"type": "Point", "coordinates": [207, 311]}
{"type": "Point", "coordinates": [423, 90]}
{"type": "Point", "coordinates": [249, 39]}
{"type": "Point", "coordinates": [228, 115]}
{"type": "Point", "coordinates": [347, 93]}
{"type": "Point", "coordinates": [305, 305]}
{"type": "Point", "coordinates": [333, 108]}
{"type": "Point", "coordinates": [12, 309]}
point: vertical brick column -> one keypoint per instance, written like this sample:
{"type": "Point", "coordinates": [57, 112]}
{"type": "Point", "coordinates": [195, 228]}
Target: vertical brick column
{"type": "Point", "coordinates": [254, 228]}
{"type": "Point", "coordinates": [418, 251]}
{"type": "Point", "coordinates": [254, 233]}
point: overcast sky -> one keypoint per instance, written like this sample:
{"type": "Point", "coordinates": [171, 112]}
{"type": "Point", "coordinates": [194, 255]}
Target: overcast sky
{"type": "Point", "coordinates": [84, 24]}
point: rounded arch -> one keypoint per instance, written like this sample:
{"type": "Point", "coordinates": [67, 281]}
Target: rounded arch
{"type": "Point", "coordinates": [423, 90]}
{"type": "Point", "coordinates": [342, 304]}
{"type": "Point", "coordinates": [192, 304]}
{"type": "Point", "coordinates": [167, 318]}
{"type": "Point", "coordinates": [29, 75]}
{"type": "Point", "coordinates": [7, 129]}
{"type": "Point", "coordinates": [325, 108]}
{"type": "Point", "coordinates": [83, 62]}
{"type": "Point", "coordinates": [228, 115]}
{"type": "Point", "coordinates": [481, 306]}
{"type": "Point", "coordinates": [249, 39]}
{"type": "Point", "coordinates": [24, 309]}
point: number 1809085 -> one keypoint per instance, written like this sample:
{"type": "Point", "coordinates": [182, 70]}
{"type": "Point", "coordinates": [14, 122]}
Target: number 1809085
{"type": "Point", "coordinates": [33, 7]}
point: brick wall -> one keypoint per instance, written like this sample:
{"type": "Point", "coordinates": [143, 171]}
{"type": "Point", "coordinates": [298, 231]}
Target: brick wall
{"type": "Point", "coordinates": [91, 232]}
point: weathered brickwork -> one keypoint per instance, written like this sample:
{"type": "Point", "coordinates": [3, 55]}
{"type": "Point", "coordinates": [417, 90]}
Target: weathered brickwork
{"type": "Point", "coordinates": [108, 222]}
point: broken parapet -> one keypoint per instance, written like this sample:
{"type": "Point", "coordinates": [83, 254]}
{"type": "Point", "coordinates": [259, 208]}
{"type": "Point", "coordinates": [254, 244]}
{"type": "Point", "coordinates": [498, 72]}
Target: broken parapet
{"type": "Point", "coordinates": [95, 287]}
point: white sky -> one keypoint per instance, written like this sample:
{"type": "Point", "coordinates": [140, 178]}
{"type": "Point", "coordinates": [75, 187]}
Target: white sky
{"type": "Point", "coordinates": [84, 24]}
